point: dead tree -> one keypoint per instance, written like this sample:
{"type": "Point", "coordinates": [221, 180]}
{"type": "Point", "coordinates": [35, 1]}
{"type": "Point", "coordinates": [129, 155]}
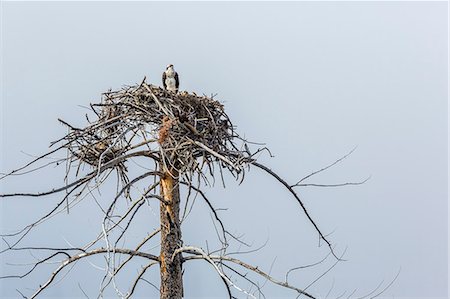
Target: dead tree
{"type": "Point", "coordinates": [170, 264]}
{"type": "Point", "coordinates": [190, 141]}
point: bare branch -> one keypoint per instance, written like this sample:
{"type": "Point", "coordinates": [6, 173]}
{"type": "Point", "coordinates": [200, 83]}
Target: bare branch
{"type": "Point", "coordinates": [333, 185]}
{"type": "Point", "coordinates": [203, 255]}
{"type": "Point", "coordinates": [139, 277]}
{"type": "Point", "coordinates": [188, 137]}
{"type": "Point", "coordinates": [90, 253]}
{"type": "Point", "coordinates": [283, 182]}
{"type": "Point", "coordinates": [200, 254]}
{"type": "Point", "coordinates": [326, 167]}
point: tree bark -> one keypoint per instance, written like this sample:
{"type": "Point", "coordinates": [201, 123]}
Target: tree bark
{"type": "Point", "coordinates": [171, 271]}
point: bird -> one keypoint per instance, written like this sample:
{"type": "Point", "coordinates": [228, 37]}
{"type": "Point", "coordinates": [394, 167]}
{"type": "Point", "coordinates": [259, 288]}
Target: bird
{"type": "Point", "coordinates": [170, 79]}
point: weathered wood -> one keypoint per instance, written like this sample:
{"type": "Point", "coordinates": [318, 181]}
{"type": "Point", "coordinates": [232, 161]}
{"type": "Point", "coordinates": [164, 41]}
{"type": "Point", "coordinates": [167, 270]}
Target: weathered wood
{"type": "Point", "coordinates": [170, 264]}
{"type": "Point", "coordinates": [171, 272]}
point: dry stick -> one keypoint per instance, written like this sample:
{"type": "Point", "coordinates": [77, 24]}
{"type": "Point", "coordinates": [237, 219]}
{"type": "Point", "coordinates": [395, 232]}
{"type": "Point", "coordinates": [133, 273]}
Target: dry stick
{"type": "Point", "coordinates": [157, 101]}
{"type": "Point", "coordinates": [388, 286]}
{"type": "Point", "coordinates": [333, 185]}
{"type": "Point", "coordinates": [188, 196]}
{"type": "Point", "coordinates": [143, 242]}
{"type": "Point", "coordinates": [200, 254]}
{"type": "Point", "coordinates": [86, 254]}
{"type": "Point", "coordinates": [328, 270]}
{"type": "Point", "coordinates": [138, 278]}
{"type": "Point", "coordinates": [351, 294]}
{"type": "Point", "coordinates": [107, 217]}
{"type": "Point", "coordinates": [203, 255]}
{"type": "Point", "coordinates": [33, 161]}
{"type": "Point", "coordinates": [36, 265]}
{"type": "Point", "coordinates": [326, 167]}
{"type": "Point", "coordinates": [137, 248]}
{"type": "Point", "coordinates": [109, 149]}
{"type": "Point", "coordinates": [86, 178]}
{"type": "Point", "coordinates": [215, 154]}
{"type": "Point", "coordinates": [29, 227]}
{"type": "Point", "coordinates": [42, 248]}
{"type": "Point", "coordinates": [139, 203]}
{"type": "Point", "coordinates": [276, 176]}
{"type": "Point", "coordinates": [342, 295]}
{"type": "Point", "coordinates": [305, 266]}
{"type": "Point", "coordinates": [143, 143]}
{"type": "Point", "coordinates": [199, 191]}
{"type": "Point", "coordinates": [331, 288]}
{"type": "Point", "coordinates": [57, 162]}
{"type": "Point", "coordinates": [82, 180]}
{"type": "Point", "coordinates": [97, 124]}
{"type": "Point", "coordinates": [127, 186]}
{"type": "Point", "coordinates": [373, 291]}
{"type": "Point", "coordinates": [249, 251]}
{"type": "Point", "coordinates": [244, 276]}
{"type": "Point", "coordinates": [118, 222]}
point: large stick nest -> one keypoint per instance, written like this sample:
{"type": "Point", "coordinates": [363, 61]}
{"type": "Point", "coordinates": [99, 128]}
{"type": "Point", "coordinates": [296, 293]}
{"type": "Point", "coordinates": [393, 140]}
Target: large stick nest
{"type": "Point", "coordinates": [183, 131]}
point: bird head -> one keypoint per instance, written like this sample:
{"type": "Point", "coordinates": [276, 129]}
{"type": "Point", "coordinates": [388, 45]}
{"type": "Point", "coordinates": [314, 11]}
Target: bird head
{"type": "Point", "coordinates": [170, 66]}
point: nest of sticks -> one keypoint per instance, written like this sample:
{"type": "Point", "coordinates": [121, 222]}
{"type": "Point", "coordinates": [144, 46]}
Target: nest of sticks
{"type": "Point", "coordinates": [186, 133]}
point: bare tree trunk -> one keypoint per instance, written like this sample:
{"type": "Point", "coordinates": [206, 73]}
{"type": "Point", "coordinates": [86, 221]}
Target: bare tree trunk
{"type": "Point", "coordinates": [171, 271]}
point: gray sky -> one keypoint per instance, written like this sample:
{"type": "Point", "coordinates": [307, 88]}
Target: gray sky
{"type": "Point", "coordinates": [310, 79]}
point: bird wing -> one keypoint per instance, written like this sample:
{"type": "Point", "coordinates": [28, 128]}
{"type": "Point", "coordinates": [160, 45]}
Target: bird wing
{"type": "Point", "coordinates": [164, 80]}
{"type": "Point", "coordinates": [177, 81]}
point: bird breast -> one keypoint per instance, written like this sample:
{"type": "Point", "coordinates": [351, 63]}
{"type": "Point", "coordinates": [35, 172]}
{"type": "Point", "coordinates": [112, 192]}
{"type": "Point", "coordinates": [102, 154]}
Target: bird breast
{"type": "Point", "coordinates": [170, 82]}
{"type": "Point", "coordinates": [170, 73]}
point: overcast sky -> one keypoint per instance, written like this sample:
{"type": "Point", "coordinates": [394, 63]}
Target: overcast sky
{"type": "Point", "coordinates": [312, 80]}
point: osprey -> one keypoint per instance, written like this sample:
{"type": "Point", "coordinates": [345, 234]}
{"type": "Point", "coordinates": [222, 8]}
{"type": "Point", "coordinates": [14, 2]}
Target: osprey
{"type": "Point", "coordinates": [170, 79]}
